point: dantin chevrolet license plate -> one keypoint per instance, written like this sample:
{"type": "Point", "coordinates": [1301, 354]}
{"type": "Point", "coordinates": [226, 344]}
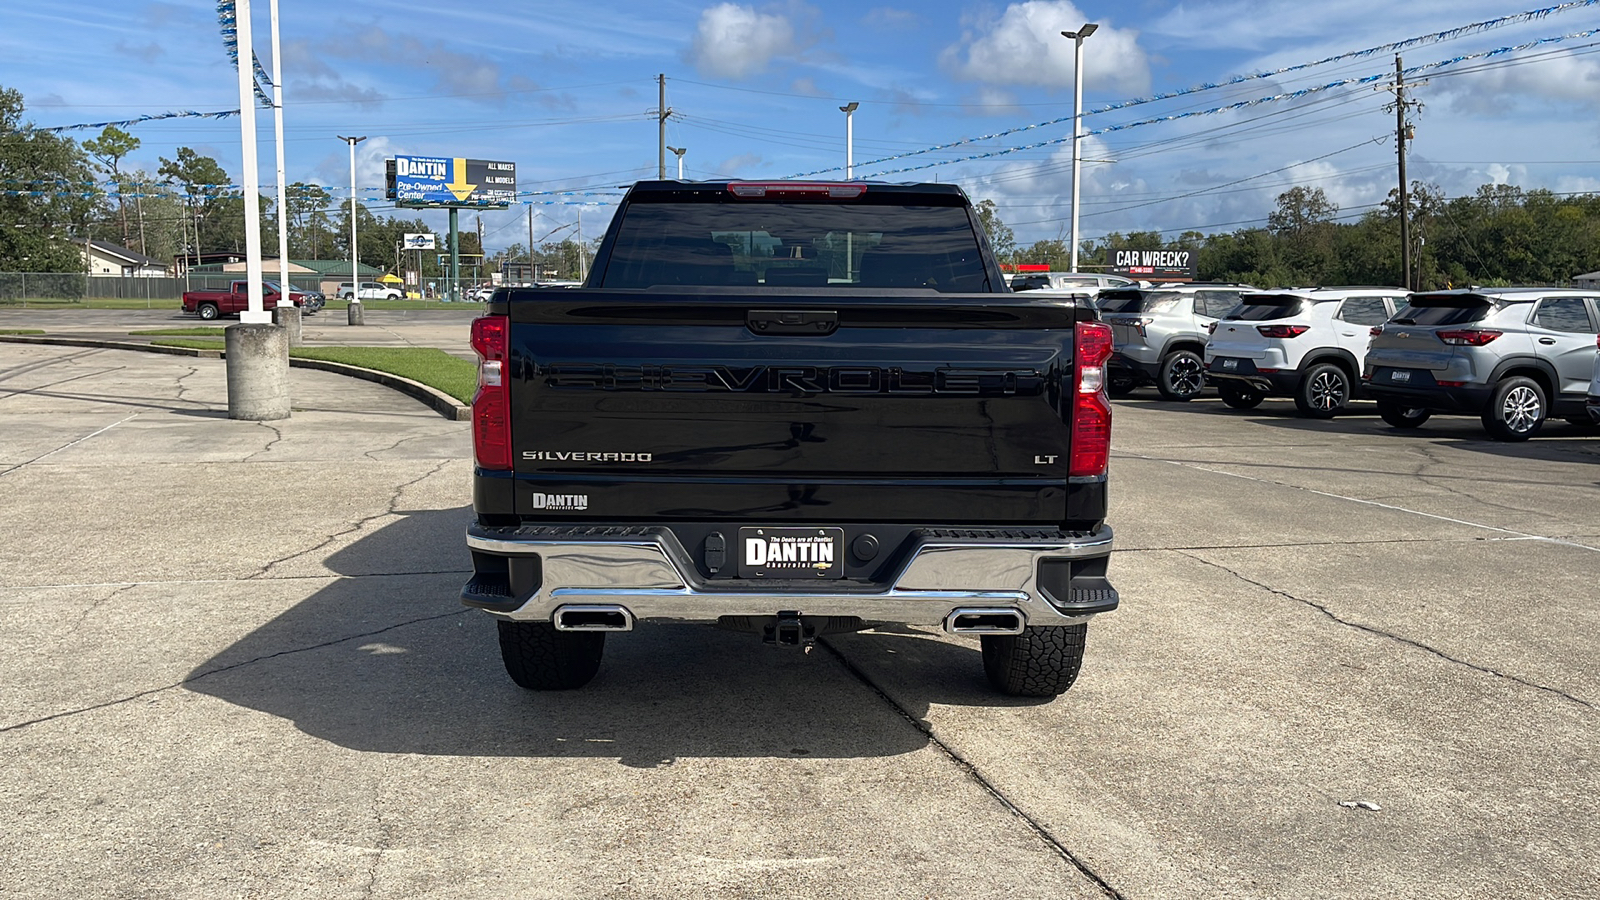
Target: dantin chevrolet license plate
{"type": "Point", "coordinates": [791, 553]}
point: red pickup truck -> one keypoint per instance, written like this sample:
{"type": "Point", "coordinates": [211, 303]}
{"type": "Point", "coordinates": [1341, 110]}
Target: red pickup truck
{"type": "Point", "coordinates": [236, 299]}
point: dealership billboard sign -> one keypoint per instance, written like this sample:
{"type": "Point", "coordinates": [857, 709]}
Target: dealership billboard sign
{"type": "Point", "coordinates": [420, 242]}
{"type": "Point", "coordinates": [443, 181]}
{"type": "Point", "coordinates": [1154, 265]}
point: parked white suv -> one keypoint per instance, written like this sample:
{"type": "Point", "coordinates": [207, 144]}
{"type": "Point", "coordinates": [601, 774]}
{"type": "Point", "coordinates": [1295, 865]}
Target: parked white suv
{"type": "Point", "coordinates": [1068, 282]}
{"type": "Point", "coordinates": [372, 290]}
{"type": "Point", "coordinates": [1305, 344]}
{"type": "Point", "coordinates": [1159, 335]}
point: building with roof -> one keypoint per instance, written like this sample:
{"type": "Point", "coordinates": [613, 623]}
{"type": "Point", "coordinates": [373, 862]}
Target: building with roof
{"type": "Point", "coordinates": [106, 258]}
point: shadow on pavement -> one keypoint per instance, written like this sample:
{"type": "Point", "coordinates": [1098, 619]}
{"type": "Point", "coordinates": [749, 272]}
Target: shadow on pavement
{"type": "Point", "coordinates": [385, 661]}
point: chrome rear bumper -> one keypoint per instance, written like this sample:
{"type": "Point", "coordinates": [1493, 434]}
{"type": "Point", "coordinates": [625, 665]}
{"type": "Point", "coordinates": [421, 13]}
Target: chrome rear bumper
{"type": "Point", "coordinates": [647, 573]}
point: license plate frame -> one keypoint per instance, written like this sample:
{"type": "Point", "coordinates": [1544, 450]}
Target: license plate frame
{"type": "Point", "coordinates": [806, 553]}
{"type": "Point", "coordinates": [1400, 376]}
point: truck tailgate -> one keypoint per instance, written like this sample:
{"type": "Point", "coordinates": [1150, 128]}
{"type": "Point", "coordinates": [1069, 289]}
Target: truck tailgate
{"type": "Point", "coordinates": [790, 408]}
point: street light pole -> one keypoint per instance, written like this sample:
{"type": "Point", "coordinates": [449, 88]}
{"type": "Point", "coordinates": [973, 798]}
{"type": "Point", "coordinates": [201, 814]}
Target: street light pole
{"type": "Point", "coordinates": [849, 111]}
{"type": "Point", "coordinates": [1077, 122]}
{"type": "Point", "coordinates": [679, 152]}
{"type": "Point", "coordinates": [355, 271]}
{"type": "Point", "coordinates": [277, 134]}
{"type": "Point", "coordinates": [255, 314]}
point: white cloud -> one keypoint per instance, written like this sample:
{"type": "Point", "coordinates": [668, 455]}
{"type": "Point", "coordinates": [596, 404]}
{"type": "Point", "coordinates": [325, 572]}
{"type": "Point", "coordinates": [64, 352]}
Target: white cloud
{"type": "Point", "coordinates": [734, 41]}
{"type": "Point", "coordinates": [1506, 90]}
{"type": "Point", "coordinates": [1023, 46]}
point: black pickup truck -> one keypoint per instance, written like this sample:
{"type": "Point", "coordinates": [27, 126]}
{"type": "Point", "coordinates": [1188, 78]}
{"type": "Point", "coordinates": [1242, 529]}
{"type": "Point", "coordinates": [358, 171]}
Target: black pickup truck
{"type": "Point", "coordinates": [791, 409]}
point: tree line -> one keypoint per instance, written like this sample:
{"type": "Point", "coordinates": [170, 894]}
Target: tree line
{"type": "Point", "coordinates": [1498, 236]}
{"type": "Point", "coordinates": [53, 197]}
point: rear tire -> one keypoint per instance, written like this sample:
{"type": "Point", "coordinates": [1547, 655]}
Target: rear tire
{"type": "Point", "coordinates": [1323, 392]}
{"type": "Point", "coordinates": [1239, 396]}
{"type": "Point", "coordinates": [1121, 385]}
{"type": "Point", "coordinates": [540, 658]}
{"type": "Point", "coordinates": [209, 311]}
{"type": "Point", "coordinates": [1039, 662]}
{"type": "Point", "coordinates": [1399, 415]}
{"type": "Point", "coordinates": [1182, 376]}
{"type": "Point", "coordinates": [1517, 409]}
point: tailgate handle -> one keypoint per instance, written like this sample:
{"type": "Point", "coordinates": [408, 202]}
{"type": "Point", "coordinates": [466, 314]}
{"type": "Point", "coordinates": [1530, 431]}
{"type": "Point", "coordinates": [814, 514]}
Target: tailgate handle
{"type": "Point", "coordinates": [792, 321]}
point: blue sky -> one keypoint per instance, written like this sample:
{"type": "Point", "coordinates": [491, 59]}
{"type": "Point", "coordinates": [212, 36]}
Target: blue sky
{"type": "Point", "coordinates": [567, 91]}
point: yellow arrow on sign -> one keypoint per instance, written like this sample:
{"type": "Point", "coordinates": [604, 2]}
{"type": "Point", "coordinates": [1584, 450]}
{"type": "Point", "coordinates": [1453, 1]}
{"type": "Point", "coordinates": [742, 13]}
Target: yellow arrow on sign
{"type": "Point", "coordinates": [458, 180]}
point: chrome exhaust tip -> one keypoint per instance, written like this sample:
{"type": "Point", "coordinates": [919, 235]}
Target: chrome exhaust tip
{"type": "Point", "coordinates": [596, 617]}
{"type": "Point", "coordinates": [984, 621]}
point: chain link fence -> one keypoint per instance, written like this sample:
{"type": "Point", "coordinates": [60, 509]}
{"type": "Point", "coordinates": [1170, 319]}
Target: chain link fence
{"type": "Point", "coordinates": [54, 289]}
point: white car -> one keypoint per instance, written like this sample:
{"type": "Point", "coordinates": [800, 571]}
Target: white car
{"type": "Point", "coordinates": [1305, 344]}
{"type": "Point", "coordinates": [372, 290]}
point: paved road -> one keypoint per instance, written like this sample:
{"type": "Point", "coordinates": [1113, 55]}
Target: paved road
{"type": "Point", "coordinates": [232, 664]}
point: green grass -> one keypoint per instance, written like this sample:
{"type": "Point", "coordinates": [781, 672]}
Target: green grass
{"type": "Point", "coordinates": [191, 343]}
{"type": "Point", "coordinates": [20, 331]}
{"type": "Point", "coordinates": [197, 331]}
{"type": "Point", "coordinates": [432, 367]}
{"type": "Point", "coordinates": [96, 303]}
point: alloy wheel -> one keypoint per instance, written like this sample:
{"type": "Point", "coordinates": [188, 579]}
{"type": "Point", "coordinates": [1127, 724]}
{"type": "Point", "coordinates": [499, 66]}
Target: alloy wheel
{"type": "Point", "coordinates": [1522, 409]}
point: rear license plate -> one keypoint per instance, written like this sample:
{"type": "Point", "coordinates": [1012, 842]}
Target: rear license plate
{"type": "Point", "coordinates": [1230, 364]}
{"type": "Point", "coordinates": [1400, 375]}
{"type": "Point", "coordinates": [792, 553]}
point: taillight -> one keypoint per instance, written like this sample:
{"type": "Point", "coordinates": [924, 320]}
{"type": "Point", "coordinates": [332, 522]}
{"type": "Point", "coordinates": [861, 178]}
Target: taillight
{"type": "Point", "coordinates": [1282, 331]}
{"type": "Point", "coordinates": [1091, 407]}
{"type": "Point", "coordinates": [491, 405]}
{"type": "Point", "coordinates": [1211, 328]}
{"type": "Point", "coordinates": [1470, 337]}
{"type": "Point", "coordinates": [1375, 330]}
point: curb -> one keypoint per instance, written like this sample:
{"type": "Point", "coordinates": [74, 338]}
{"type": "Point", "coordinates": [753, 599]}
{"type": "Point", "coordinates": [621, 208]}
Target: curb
{"type": "Point", "coordinates": [435, 399]}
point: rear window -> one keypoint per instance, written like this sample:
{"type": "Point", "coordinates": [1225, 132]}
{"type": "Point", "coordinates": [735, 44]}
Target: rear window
{"type": "Point", "coordinates": [1265, 309]}
{"type": "Point", "coordinates": [1137, 301]}
{"type": "Point", "coordinates": [1444, 309]}
{"type": "Point", "coordinates": [812, 245]}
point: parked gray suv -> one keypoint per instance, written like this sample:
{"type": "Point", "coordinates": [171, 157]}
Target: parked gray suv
{"type": "Point", "coordinates": [1159, 335]}
{"type": "Point", "coordinates": [1514, 356]}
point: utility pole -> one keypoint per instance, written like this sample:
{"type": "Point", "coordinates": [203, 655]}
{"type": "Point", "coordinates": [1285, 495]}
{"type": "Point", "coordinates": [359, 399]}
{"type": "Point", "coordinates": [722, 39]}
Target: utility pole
{"type": "Point", "coordinates": [661, 125]}
{"type": "Point", "coordinates": [1403, 131]}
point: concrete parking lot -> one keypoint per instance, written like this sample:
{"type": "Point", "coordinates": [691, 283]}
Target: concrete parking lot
{"type": "Point", "coordinates": [232, 663]}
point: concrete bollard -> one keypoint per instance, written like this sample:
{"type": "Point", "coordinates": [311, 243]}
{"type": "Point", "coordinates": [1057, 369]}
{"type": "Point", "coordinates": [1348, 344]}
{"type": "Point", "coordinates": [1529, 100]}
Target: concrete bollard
{"type": "Point", "coordinates": [357, 316]}
{"type": "Point", "coordinates": [258, 372]}
{"type": "Point", "coordinates": [288, 317]}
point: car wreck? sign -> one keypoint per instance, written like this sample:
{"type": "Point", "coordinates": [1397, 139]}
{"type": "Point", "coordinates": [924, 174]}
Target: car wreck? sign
{"type": "Point", "coordinates": [1154, 265]}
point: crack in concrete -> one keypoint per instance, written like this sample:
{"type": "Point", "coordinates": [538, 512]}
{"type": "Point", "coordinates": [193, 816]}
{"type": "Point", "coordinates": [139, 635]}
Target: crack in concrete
{"type": "Point", "coordinates": [1379, 632]}
{"type": "Point", "coordinates": [384, 838]}
{"type": "Point", "coordinates": [183, 389]}
{"type": "Point", "coordinates": [971, 770]}
{"type": "Point", "coordinates": [220, 669]}
{"type": "Point", "coordinates": [99, 603]}
{"type": "Point", "coordinates": [415, 437]}
{"type": "Point", "coordinates": [276, 439]}
{"type": "Point", "coordinates": [394, 504]}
